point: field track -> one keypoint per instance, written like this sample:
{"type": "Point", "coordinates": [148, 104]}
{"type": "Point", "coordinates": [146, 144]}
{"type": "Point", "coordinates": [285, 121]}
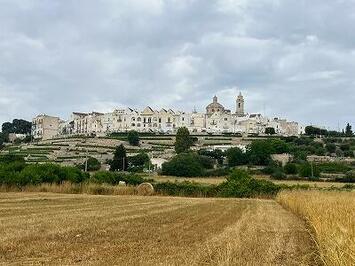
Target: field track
{"type": "Point", "coordinates": [45, 228]}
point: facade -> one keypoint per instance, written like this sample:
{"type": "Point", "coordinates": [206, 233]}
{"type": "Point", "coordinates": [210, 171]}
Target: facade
{"type": "Point", "coordinates": [217, 119]}
{"type": "Point", "coordinates": [45, 127]}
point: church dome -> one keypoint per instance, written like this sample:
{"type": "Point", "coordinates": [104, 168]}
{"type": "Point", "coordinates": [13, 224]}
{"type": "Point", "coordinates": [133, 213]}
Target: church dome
{"type": "Point", "coordinates": [215, 106]}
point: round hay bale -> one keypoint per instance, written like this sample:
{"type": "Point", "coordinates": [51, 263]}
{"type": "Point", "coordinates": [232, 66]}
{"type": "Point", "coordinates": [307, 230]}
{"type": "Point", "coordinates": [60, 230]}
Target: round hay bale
{"type": "Point", "coordinates": [145, 189]}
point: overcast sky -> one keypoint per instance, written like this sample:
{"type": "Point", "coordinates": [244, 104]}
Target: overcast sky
{"type": "Point", "coordinates": [292, 59]}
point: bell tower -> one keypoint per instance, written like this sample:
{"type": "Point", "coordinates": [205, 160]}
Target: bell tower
{"type": "Point", "coordinates": [240, 105]}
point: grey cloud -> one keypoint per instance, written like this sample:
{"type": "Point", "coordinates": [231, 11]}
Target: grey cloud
{"type": "Point", "coordinates": [293, 59]}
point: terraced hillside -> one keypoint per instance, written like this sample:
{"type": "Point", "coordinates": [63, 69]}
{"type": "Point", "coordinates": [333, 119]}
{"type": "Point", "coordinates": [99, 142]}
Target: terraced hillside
{"type": "Point", "coordinates": [74, 150]}
{"type": "Point", "coordinates": [44, 228]}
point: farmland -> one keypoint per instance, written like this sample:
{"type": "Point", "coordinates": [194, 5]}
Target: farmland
{"type": "Point", "coordinates": [53, 228]}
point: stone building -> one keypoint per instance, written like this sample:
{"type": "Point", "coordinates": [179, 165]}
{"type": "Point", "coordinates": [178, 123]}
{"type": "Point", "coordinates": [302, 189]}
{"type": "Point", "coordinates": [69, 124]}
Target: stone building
{"type": "Point", "coordinates": [217, 119]}
{"type": "Point", "coordinates": [45, 127]}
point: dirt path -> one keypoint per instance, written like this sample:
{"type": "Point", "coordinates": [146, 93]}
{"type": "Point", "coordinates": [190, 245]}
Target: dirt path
{"type": "Point", "coordinates": [128, 230]}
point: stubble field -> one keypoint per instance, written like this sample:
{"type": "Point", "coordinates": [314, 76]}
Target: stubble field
{"type": "Point", "coordinates": [46, 228]}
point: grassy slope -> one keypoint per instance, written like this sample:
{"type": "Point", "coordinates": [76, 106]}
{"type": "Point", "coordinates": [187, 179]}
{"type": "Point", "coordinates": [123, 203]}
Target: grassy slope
{"type": "Point", "coordinates": [66, 229]}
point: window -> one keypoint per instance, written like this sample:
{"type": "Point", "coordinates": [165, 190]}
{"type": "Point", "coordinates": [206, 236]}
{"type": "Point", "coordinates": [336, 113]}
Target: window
{"type": "Point", "coordinates": [159, 120]}
{"type": "Point", "coordinates": [183, 119]}
{"type": "Point", "coordinates": [139, 119]}
{"type": "Point", "coordinates": [138, 124]}
{"type": "Point", "coordinates": [225, 119]}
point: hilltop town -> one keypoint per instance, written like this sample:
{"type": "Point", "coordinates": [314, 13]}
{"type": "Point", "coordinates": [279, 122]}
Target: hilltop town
{"type": "Point", "coordinates": [216, 119]}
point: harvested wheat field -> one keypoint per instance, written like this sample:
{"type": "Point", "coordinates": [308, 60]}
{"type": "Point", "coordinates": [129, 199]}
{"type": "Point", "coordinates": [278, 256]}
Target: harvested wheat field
{"type": "Point", "coordinates": [48, 228]}
{"type": "Point", "coordinates": [331, 217]}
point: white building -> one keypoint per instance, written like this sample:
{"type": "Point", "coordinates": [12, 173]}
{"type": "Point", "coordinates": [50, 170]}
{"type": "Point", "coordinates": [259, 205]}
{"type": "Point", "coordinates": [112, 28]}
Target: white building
{"type": "Point", "coordinates": [217, 119]}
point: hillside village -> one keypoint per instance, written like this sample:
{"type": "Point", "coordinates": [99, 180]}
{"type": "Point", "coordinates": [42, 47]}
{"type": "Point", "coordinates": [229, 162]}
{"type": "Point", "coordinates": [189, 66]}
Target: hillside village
{"type": "Point", "coordinates": [216, 120]}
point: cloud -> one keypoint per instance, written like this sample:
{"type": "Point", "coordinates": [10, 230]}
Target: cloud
{"type": "Point", "coordinates": [288, 57]}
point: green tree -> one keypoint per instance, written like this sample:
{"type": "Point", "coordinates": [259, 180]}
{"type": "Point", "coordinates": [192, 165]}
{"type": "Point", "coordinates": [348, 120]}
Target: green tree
{"type": "Point", "coordinates": [133, 138]}
{"type": "Point", "coordinates": [348, 131]}
{"type": "Point", "coordinates": [279, 146]}
{"type": "Point", "coordinates": [259, 152]}
{"type": "Point", "coordinates": [270, 131]}
{"type": "Point", "coordinates": [183, 164]}
{"type": "Point", "coordinates": [137, 162]}
{"type": "Point", "coordinates": [236, 156]}
{"type": "Point", "coordinates": [18, 126]}
{"type": "Point", "coordinates": [183, 140]}
{"type": "Point", "coordinates": [119, 161]}
{"type": "Point", "coordinates": [93, 164]}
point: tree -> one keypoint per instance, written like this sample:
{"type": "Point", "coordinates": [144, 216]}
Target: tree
{"type": "Point", "coordinates": [279, 146]}
{"type": "Point", "coordinates": [183, 140]}
{"type": "Point", "coordinates": [183, 164]}
{"type": "Point", "coordinates": [119, 161]}
{"type": "Point", "coordinates": [133, 138]}
{"type": "Point", "coordinates": [138, 161]}
{"type": "Point", "coordinates": [18, 126]}
{"type": "Point", "coordinates": [348, 131]}
{"type": "Point", "coordinates": [236, 156]}
{"type": "Point", "coordinates": [93, 164]}
{"type": "Point", "coordinates": [259, 152]}
{"type": "Point", "coordinates": [270, 131]}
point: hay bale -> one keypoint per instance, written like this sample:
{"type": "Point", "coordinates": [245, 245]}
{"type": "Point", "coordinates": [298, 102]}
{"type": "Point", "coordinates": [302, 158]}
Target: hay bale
{"type": "Point", "coordinates": [145, 189]}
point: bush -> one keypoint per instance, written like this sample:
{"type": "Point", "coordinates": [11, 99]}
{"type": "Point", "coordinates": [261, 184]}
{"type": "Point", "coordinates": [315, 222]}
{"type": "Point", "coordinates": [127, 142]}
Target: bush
{"type": "Point", "coordinates": [19, 174]}
{"type": "Point", "coordinates": [184, 164]}
{"type": "Point", "coordinates": [240, 184]}
{"type": "Point", "coordinates": [93, 164]}
{"type": "Point", "coordinates": [290, 168]}
{"type": "Point", "coordinates": [217, 172]}
{"type": "Point", "coordinates": [305, 170]}
{"type": "Point", "coordinates": [186, 189]}
{"type": "Point", "coordinates": [330, 147]}
{"type": "Point", "coordinates": [333, 167]}
{"type": "Point", "coordinates": [206, 162]}
{"type": "Point", "coordinates": [271, 168]}
{"type": "Point", "coordinates": [278, 175]}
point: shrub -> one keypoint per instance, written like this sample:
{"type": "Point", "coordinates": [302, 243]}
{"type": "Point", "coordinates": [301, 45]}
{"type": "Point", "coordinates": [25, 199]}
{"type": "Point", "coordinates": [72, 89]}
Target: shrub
{"type": "Point", "coordinates": [333, 167]}
{"type": "Point", "coordinates": [19, 174]}
{"type": "Point", "coordinates": [306, 170]}
{"type": "Point", "coordinates": [93, 164]}
{"type": "Point", "coordinates": [330, 147]}
{"type": "Point", "coordinates": [206, 162]}
{"type": "Point", "coordinates": [278, 175]}
{"type": "Point", "coordinates": [186, 189]}
{"type": "Point", "coordinates": [271, 168]}
{"type": "Point", "coordinates": [217, 172]}
{"type": "Point", "coordinates": [240, 184]}
{"type": "Point", "coordinates": [290, 168]}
